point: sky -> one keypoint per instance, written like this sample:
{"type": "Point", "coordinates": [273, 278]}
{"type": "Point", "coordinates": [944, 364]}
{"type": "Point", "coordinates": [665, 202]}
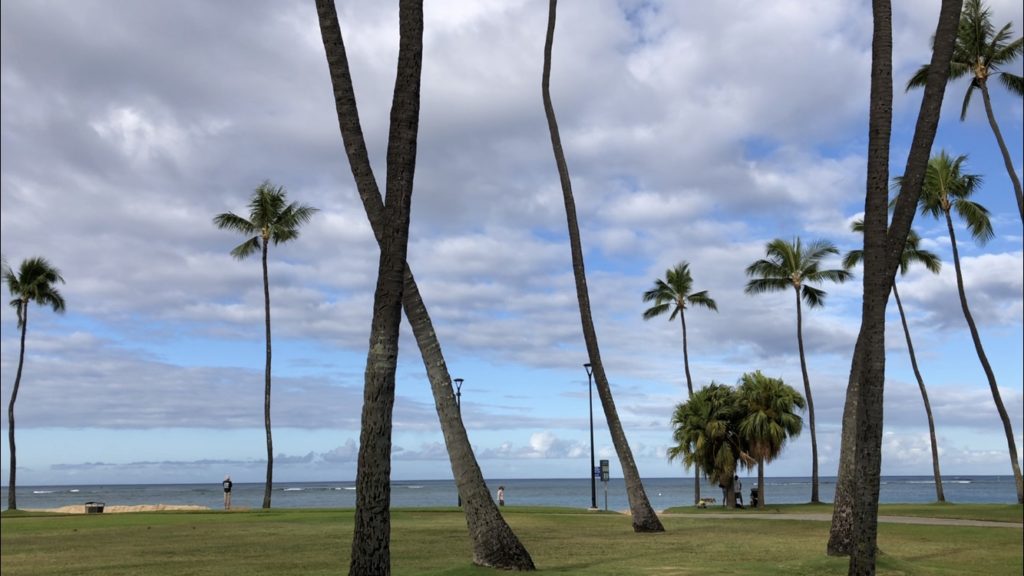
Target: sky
{"type": "Point", "coordinates": [694, 132]}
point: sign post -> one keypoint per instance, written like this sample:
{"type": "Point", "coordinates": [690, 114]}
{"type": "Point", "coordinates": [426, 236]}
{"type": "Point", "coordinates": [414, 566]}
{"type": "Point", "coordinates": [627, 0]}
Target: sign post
{"type": "Point", "coordinates": [604, 480]}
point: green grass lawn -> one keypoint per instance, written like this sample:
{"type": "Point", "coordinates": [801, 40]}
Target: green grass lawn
{"type": "Point", "coordinates": [433, 541]}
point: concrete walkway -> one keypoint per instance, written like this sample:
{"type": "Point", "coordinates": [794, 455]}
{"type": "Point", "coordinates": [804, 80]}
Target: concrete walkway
{"type": "Point", "coordinates": [828, 518]}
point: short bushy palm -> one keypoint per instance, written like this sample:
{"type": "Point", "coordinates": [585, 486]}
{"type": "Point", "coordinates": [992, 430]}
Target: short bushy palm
{"type": "Point", "coordinates": [769, 419]}
{"type": "Point", "coordinates": [34, 283]}
{"type": "Point", "coordinates": [796, 265]}
{"type": "Point", "coordinates": [912, 253]}
{"type": "Point", "coordinates": [981, 53]}
{"type": "Point", "coordinates": [947, 188]}
{"type": "Point", "coordinates": [271, 219]}
{"type": "Point", "coordinates": [705, 435]}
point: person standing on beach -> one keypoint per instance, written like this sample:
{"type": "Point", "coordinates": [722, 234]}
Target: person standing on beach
{"type": "Point", "coordinates": [737, 487]}
{"type": "Point", "coordinates": [227, 491]}
{"type": "Point", "coordinates": [501, 495]}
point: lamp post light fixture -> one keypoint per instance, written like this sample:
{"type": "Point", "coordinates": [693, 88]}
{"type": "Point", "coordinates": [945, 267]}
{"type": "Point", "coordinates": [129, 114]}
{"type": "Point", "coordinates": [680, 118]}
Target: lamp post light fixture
{"type": "Point", "coordinates": [593, 480]}
{"type": "Point", "coordinates": [458, 406]}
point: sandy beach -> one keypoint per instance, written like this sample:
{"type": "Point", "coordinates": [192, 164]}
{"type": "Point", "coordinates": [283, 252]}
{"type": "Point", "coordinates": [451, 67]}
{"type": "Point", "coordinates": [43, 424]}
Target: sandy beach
{"type": "Point", "coordinates": [80, 508]}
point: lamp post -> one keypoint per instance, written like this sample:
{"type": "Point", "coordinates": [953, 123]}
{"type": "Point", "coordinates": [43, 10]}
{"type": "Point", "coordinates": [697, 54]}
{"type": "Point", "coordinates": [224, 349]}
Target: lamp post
{"type": "Point", "coordinates": [590, 390]}
{"type": "Point", "coordinates": [458, 406]}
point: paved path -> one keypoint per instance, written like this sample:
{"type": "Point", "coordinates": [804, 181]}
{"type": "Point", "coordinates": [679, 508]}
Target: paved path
{"type": "Point", "coordinates": [828, 518]}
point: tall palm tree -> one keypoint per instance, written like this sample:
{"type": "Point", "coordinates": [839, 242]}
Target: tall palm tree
{"type": "Point", "coordinates": [675, 293]}
{"type": "Point", "coordinates": [644, 518]}
{"type": "Point", "coordinates": [271, 219]}
{"type": "Point", "coordinates": [494, 542]}
{"type": "Point", "coordinates": [794, 265]}
{"type": "Point", "coordinates": [980, 52]}
{"type": "Point", "coordinates": [35, 282]}
{"type": "Point", "coordinates": [946, 189]}
{"type": "Point", "coordinates": [705, 435]}
{"type": "Point", "coordinates": [769, 419]}
{"type": "Point", "coordinates": [912, 253]}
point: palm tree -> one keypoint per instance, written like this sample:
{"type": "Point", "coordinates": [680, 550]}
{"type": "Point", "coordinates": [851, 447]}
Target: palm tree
{"type": "Point", "coordinates": [675, 292]}
{"type": "Point", "coordinates": [946, 189]}
{"type": "Point", "coordinates": [912, 253]}
{"type": "Point", "coordinates": [35, 282]}
{"type": "Point", "coordinates": [271, 219]}
{"type": "Point", "coordinates": [791, 264]}
{"type": "Point", "coordinates": [980, 52]}
{"type": "Point", "coordinates": [494, 542]}
{"type": "Point", "coordinates": [644, 518]}
{"type": "Point", "coordinates": [705, 435]}
{"type": "Point", "coordinates": [769, 418]}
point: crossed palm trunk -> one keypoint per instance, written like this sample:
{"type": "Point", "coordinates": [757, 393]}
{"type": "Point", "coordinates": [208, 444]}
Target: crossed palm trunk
{"type": "Point", "coordinates": [855, 513]}
{"type": "Point", "coordinates": [494, 543]}
{"type": "Point", "coordinates": [644, 518]}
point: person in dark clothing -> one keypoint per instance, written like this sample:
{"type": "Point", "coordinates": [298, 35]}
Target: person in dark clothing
{"type": "Point", "coordinates": [227, 492]}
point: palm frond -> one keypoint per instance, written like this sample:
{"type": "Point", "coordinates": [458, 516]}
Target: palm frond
{"type": "Point", "coordinates": [967, 99]}
{"type": "Point", "coordinates": [234, 222]}
{"type": "Point", "coordinates": [246, 249]}
{"type": "Point", "coordinates": [702, 299]}
{"type": "Point", "coordinates": [853, 258]}
{"type": "Point", "coordinates": [763, 285]}
{"type": "Point", "coordinates": [919, 78]}
{"type": "Point", "coordinates": [815, 297]}
{"type": "Point", "coordinates": [836, 275]}
{"type": "Point", "coordinates": [1012, 82]}
{"type": "Point", "coordinates": [977, 219]}
{"type": "Point", "coordinates": [655, 311]}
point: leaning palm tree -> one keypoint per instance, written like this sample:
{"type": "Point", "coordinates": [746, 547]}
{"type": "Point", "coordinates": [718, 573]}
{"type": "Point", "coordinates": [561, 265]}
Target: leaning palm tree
{"type": "Point", "coordinates": [705, 435]}
{"type": "Point", "coordinates": [769, 419]}
{"type": "Point", "coordinates": [271, 219]}
{"type": "Point", "coordinates": [35, 282]}
{"type": "Point", "coordinates": [793, 265]}
{"type": "Point", "coordinates": [493, 541]}
{"type": "Point", "coordinates": [912, 252]}
{"type": "Point", "coordinates": [644, 518]}
{"type": "Point", "coordinates": [675, 293]}
{"type": "Point", "coordinates": [946, 189]}
{"type": "Point", "coordinates": [980, 52]}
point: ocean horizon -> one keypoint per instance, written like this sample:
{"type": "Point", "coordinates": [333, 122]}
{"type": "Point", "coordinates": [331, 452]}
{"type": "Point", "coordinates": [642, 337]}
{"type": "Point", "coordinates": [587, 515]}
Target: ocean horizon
{"type": "Point", "coordinates": [568, 492]}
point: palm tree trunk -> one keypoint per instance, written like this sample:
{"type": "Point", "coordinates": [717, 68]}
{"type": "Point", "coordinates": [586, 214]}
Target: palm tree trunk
{"type": "Point", "coordinates": [840, 535]}
{"type": "Point", "coordinates": [810, 401]}
{"type": "Point", "coordinates": [686, 355]}
{"type": "Point", "coordinates": [371, 538]}
{"type": "Point", "coordinates": [689, 388]}
{"type": "Point", "coordinates": [760, 482]}
{"type": "Point", "coordinates": [494, 542]}
{"type": "Point", "coordinates": [1002, 147]}
{"type": "Point", "coordinates": [644, 518]}
{"type": "Point", "coordinates": [939, 495]}
{"type": "Point", "coordinates": [269, 485]}
{"type": "Point", "coordinates": [996, 397]}
{"type": "Point", "coordinates": [12, 500]}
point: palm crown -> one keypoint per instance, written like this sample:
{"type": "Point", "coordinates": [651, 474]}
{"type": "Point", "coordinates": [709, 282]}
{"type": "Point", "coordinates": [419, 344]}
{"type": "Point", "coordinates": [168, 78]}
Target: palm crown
{"type": "Point", "coordinates": [674, 293]}
{"type": "Point", "coordinates": [980, 51]}
{"type": "Point", "coordinates": [34, 282]}
{"type": "Point", "coordinates": [271, 218]}
{"type": "Point", "coordinates": [704, 432]}
{"type": "Point", "coordinates": [947, 188]}
{"type": "Point", "coordinates": [793, 264]}
{"type": "Point", "coordinates": [912, 252]}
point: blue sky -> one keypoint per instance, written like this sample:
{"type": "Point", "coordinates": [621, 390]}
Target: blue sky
{"type": "Point", "coordinates": [693, 132]}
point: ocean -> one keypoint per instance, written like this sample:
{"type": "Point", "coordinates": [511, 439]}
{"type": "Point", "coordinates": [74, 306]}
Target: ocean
{"type": "Point", "coordinates": [574, 493]}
